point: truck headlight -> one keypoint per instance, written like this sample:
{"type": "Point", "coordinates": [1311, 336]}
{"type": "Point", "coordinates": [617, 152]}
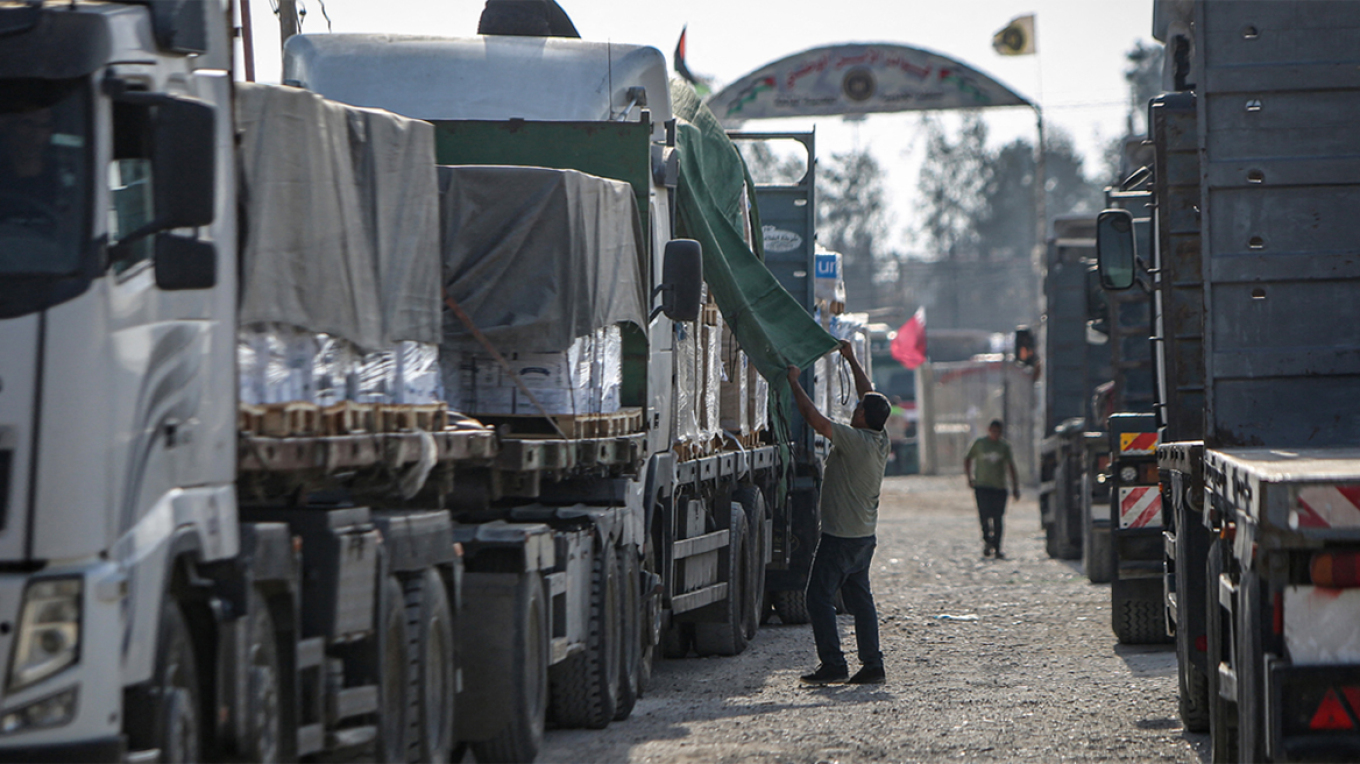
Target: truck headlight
{"type": "Point", "coordinates": [48, 639]}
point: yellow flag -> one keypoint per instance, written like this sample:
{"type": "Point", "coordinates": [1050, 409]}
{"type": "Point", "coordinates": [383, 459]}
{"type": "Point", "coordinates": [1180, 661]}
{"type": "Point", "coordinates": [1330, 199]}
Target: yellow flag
{"type": "Point", "coordinates": [1017, 39]}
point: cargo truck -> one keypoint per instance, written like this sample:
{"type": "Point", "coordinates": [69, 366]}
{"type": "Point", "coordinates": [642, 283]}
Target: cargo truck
{"type": "Point", "coordinates": [200, 560]}
{"type": "Point", "coordinates": [1254, 271]}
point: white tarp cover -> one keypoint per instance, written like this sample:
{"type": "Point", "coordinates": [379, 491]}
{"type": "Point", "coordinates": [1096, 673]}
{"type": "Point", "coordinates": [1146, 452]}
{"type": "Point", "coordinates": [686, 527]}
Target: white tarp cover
{"type": "Point", "coordinates": [342, 218]}
{"type": "Point", "coordinates": [539, 257]}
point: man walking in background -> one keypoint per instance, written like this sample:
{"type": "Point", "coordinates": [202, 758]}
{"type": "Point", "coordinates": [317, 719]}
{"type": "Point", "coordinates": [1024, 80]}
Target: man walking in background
{"type": "Point", "coordinates": [849, 510]}
{"type": "Point", "coordinates": [992, 455]}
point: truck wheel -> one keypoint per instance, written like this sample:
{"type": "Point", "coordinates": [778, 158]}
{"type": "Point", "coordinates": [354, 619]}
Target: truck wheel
{"type": "Point", "coordinates": [264, 722]}
{"type": "Point", "coordinates": [519, 740]}
{"type": "Point", "coordinates": [1194, 699]}
{"type": "Point", "coordinates": [398, 677]}
{"type": "Point", "coordinates": [1248, 639]}
{"type": "Point", "coordinates": [1097, 554]}
{"type": "Point", "coordinates": [650, 633]}
{"type": "Point", "coordinates": [585, 687]}
{"type": "Point", "coordinates": [753, 502]}
{"type": "Point", "coordinates": [429, 624]}
{"type": "Point", "coordinates": [729, 636]}
{"type": "Point", "coordinates": [1222, 713]}
{"type": "Point", "coordinates": [171, 703]}
{"type": "Point", "coordinates": [1136, 619]}
{"type": "Point", "coordinates": [630, 634]}
{"type": "Point", "coordinates": [791, 607]}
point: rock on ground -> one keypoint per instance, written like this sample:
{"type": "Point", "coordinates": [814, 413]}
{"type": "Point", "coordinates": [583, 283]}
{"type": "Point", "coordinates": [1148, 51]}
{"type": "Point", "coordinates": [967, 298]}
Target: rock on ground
{"type": "Point", "coordinates": [1038, 676]}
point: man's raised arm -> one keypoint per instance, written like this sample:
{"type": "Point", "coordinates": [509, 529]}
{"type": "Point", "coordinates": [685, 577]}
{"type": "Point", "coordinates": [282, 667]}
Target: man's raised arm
{"type": "Point", "coordinates": [863, 385]}
{"type": "Point", "coordinates": [806, 407]}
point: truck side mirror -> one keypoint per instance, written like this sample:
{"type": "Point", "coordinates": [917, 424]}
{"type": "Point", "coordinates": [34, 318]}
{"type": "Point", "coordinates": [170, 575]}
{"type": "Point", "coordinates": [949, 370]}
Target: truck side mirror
{"type": "Point", "coordinates": [184, 163]}
{"type": "Point", "coordinates": [682, 280]}
{"type": "Point", "coordinates": [1116, 254]}
{"type": "Point", "coordinates": [185, 263]}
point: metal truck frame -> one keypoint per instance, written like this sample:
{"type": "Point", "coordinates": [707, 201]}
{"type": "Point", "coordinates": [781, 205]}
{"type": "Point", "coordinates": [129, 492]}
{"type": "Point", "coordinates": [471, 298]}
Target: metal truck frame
{"type": "Point", "coordinates": [1259, 460]}
{"type": "Point", "coordinates": [202, 586]}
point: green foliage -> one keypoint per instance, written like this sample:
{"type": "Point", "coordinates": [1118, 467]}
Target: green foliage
{"type": "Point", "coordinates": [852, 219]}
{"type": "Point", "coordinates": [979, 202]}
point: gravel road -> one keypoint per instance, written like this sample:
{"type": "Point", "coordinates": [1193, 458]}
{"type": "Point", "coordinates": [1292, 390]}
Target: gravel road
{"type": "Point", "coordinates": [1038, 675]}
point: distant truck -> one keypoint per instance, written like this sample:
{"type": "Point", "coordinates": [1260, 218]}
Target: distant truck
{"type": "Point", "coordinates": [319, 559]}
{"type": "Point", "coordinates": [1254, 185]}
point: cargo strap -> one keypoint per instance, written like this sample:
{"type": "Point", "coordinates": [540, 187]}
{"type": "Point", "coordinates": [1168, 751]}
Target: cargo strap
{"type": "Point", "coordinates": [486, 343]}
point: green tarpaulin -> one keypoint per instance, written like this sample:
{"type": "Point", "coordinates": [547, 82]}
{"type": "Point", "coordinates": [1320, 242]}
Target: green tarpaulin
{"type": "Point", "coordinates": [772, 327]}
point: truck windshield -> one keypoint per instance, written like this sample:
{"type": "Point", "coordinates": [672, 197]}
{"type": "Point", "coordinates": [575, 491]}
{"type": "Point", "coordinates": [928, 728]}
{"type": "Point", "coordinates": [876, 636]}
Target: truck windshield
{"type": "Point", "coordinates": [44, 175]}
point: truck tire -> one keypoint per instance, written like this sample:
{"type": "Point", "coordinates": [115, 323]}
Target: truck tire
{"type": "Point", "coordinates": [166, 715]}
{"type": "Point", "coordinates": [265, 735]}
{"type": "Point", "coordinates": [1191, 681]}
{"type": "Point", "coordinates": [630, 633]}
{"type": "Point", "coordinates": [651, 633]}
{"type": "Point", "coordinates": [1097, 554]}
{"type": "Point", "coordinates": [1137, 620]}
{"type": "Point", "coordinates": [753, 502]}
{"type": "Point", "coordinates": [398, 675]}
{"type": "Point", "coordinates": [429, 625]}
{"type": "Point", "coordinates": [791, 606]}
{"type": "Point", "coordinates": [1194, 699]}
{"type": "Point", "coordinates": [1249, 641]}
{"type": "Point", "coordinates": [1222, 713]}
{"type": "Point", "coordinates": [585, 687]}
{"type": "Point", "coordinates": [728, 637]}
{"type": "Point", "coordinates": [521, 737]}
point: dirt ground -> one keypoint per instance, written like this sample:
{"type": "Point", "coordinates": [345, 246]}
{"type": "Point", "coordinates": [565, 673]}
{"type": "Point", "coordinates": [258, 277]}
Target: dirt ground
{"type": "Point", "coordinates": [1037, 676]}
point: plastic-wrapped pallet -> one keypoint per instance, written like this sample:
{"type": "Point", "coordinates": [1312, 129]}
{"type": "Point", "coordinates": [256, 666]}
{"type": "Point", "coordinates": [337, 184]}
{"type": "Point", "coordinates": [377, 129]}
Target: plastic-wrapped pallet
{"type": "Point", "coordinates": [418, 373]}
{"type": "Point", "coordinates": [275, 364]}
{"type": "Point", "coordinates": [333, 369]}
{"type": "Point", "coordinates": [711, 415]}
{"type": "Point", "coordinates": [688, 394]}
{"type": "Point", "coordinates": [587, 378]}
{"type": "Point", "coordinates": [606, 381]}
{"type": "Point", "coordinates": [759, 391]}
{"type": "Point", "coordinates": [734, 401]}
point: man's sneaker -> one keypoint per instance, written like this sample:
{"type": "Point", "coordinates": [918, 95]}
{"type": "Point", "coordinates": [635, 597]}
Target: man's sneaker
{"type": "Point", "coordinates": [826, 675]}
{"type": "Point", "coordinates": [868, 675]}
{"type": "Point", "coordinates": [999, 555]}
{"type": "Point", "coordinates": [986, 550]}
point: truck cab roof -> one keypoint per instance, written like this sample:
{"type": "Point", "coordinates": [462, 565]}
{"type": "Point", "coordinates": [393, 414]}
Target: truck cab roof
{"type": "Point", "coordinates": [483, 78]}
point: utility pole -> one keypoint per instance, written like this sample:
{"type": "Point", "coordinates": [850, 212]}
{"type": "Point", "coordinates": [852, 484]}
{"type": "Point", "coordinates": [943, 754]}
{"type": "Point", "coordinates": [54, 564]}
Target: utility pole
{"type": "Point", "coordinates": [288, 20]}
{"type": "Point", "coordinates": [247, 40]}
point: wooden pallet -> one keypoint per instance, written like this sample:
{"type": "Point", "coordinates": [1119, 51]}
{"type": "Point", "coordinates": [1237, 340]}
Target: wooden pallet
{"type": "Point", "coordinates": [751, 439]}
{"type": "Point", "coordinates": [282, 420]}
{"type": "Point", "coordinates": [349, 418]}
{"type": "Point", "coordinates": [250, 419]}
{"type": "Point", "coordinates": [412, 417]}
{"type": "Point", "coordinates": [687, 450]}
{"type": "Point", "coordinates": [623, 422]}
{"type": "Point", "coordinates": [711, 315]}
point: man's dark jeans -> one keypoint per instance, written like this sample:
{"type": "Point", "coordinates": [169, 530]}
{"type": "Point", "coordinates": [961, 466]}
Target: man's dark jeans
{"type": "Point", "coordinates": [991, 504]}
{"type": "Point", "coordinates": [843, 564]}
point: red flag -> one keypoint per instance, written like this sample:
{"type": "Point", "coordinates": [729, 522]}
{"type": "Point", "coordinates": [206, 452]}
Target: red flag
{"type": "Point", "coordinates": [909, 346]}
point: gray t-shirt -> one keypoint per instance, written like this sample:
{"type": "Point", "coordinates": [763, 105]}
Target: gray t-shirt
{"type": "Point", "coordinates": [851, 482]}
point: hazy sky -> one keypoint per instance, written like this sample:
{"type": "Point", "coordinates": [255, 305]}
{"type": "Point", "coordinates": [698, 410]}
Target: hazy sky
{"type": "Point", "coordinates": [1080, 63]}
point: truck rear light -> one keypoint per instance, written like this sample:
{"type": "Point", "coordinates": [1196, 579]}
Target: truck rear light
{"type": "Point", "coordinates": [1332, 713]}
{"type": "Point", "coordinates": [1336, 570]}
{"type": "Point", "coordinates": [1202, 643]}
{"type": "Point", "coordinates": [1102, 462]}
{"type": "Point", "coordinates": [1149, 473]}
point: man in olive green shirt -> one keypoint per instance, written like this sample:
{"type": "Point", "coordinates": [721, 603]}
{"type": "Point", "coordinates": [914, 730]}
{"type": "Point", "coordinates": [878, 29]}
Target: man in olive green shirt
{"type": "Point", "coordinates": [993, 458]}
{"type": "Point", "coordinates": [851, 481]}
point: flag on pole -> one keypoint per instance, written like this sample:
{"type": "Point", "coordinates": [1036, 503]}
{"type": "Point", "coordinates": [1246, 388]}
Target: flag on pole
{"type": "Point", "coordinates": [909, 346]}
{"type": "Point", "coordinates": [1017, 39]}
{"type": "Point", "coordinates": [682, 68]}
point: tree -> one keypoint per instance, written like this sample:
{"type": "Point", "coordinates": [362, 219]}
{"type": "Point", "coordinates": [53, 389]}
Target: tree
{"type": "Point", "coordinates": [852, 219]}
{"type": "Point", "coordinates": [1144, 77]}
{"type": "Point", "coordinates": [954, 176]}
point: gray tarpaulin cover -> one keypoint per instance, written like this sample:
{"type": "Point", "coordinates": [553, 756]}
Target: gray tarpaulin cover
{"type": "Point", "coordinates": [342, 219]}
{"type": "Point", "coordinates": [538, 257]}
